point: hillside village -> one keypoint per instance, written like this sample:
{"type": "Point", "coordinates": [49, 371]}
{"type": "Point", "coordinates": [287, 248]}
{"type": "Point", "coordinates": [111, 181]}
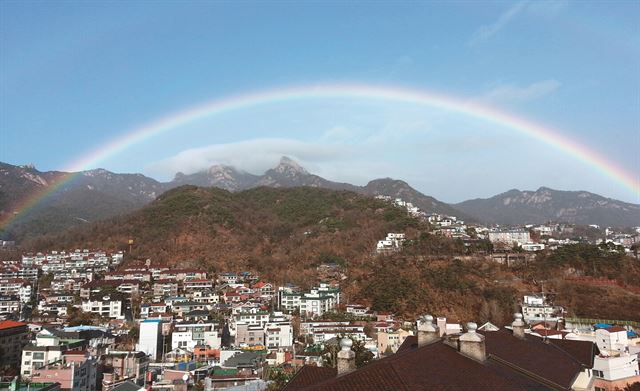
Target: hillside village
{"type": "Point", "coordinates": [96, 319]}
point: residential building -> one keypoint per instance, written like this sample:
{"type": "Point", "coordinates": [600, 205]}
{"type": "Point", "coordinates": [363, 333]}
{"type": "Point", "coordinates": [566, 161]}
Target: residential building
{"type": "Point", "coordinates": [13, 337]}
{"type": "Point", "coordinates": [389, 342]}
{"type": "Point", "coordinates": [188, 335]}
{"type": "Point", "coordinates": [49, 347]}
{"type": "Point", "coordinates": [105, 306]}
{"type": "Point", "coordinates": [616, 366]}
{"type": "Point", "coordinates": [509, 236]}
{"type": "Point", "coordinates": [10, 304]}
{"type": "Point", "coordinates": [165, 288]}
{"type": "Point", "coordinates": [249, 334]}
{"type": "Point", "coordinates": [75, 371]}
{"type": "Point", "coordinates": [393, 242]}
{"type": "Point", "coordinates": [20, 287]}
{"type": "Point", "coordinates": [316, 302]}
{"type": "Point", "coordinates": [536, 308]}
{"type": "Point", "coordinates": [118, 366]}
{"type": "Point", "coordinates": [150, 339]}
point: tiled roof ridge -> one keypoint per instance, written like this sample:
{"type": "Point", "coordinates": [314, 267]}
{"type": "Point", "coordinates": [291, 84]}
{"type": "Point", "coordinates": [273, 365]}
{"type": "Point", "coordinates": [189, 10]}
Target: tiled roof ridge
{"type": "Point", "coordinates": [569, 354]}
{"type": "Point", "coordinates": [524, 372]}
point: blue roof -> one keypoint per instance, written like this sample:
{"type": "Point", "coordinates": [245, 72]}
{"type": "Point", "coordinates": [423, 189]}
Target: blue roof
{"type": "Point", "coordinates": [631, 334]}
{"type": "Point", "coordinates": [151, 321]}
{"type": "Point", "coordinates": [602, 325]}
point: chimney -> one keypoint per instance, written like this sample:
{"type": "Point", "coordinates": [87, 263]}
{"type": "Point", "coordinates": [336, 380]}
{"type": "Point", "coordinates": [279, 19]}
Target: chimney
{"type": "Point", "coordinates": [346, 357]}
{"type": "Point", "coordinates": [518, 326]}
{"type": "Point", "coordinates": [427, 331]}
{"type": "Point", "coordinates": [472, 344]}
{"type": "Point", "coordinates": [560, 324]}
{"type": "Point", "coordinates": [442, 325]}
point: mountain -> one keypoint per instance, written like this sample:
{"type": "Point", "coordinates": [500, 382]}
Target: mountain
{"type": "Point", "coordinates": [284, 234]}
{"type": "Point", "coordinates": [288, 173]}
{"type": "Point", "coordinates": [223, 177]}
{"type": "Point", "coordinates": [99, 194]}
{"type": "Point", "coordinates": [264, 224]}
{"type": "Point", "coordinates": [544, 204]}
{"type": "Point", "coordinates": [87, 196]}
{"type": "Point", "coordinates": [401, 189]}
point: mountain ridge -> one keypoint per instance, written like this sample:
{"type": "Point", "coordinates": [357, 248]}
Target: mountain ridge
{"type": "Point", "coordinates": [545, 204]}
{"type": "Point", "coordinates": [98, 194]}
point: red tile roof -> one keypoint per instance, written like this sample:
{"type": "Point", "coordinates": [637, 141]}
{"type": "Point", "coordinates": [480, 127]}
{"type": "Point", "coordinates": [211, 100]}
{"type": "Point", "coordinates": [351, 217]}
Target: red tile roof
{"type": "Point", "coordinates": [9, 324]}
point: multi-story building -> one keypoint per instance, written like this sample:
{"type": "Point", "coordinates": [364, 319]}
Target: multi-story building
{"type": "Point", "coordinates": [165, 288]}
{"type": "Point", "coordinates": [16, 286]}
{"type": "Point", "coordinates": [140, 275]}
{"type": "Point", "coordinates": [510, 236]}
{"type": "Point", "coordinates": [197, 285]}
{"type": "Point", "coordinates": [104, 306]}
{"type": "Point", "coordinates": [123, 286]}
{"type": "Point", "coordinates": [188, 335]}
{"type": "Point", "coordinates": [389, 342]}
{"type": "Point", "coordinates": [28, 273]}
{"type": "Point", "coordinates": [48, 349]}
{"type": "Point", "coordinates": [13, 337]}
{"type": "Point", "coordinates": [253, 316]}
{"type": "Point", "coordinates": [615, 367]}
{"type": "Point", "coordinates": [316, 302]}
{"type": "Point", "coordinates": [249, 334]}
{"type": "Point", "coordinates": [321, 331]}
{"type": "Point", "coordinates": [183, 274]}
{"type": "Point", "coordinates": [9, 304]}
{"type": "Point", "coordinates": [278, 333]}
{"type": "Point", "coordinates": [75, 371]}
{"type": "Point", "coordinates": [150, 340]}
{"type": "Point", "coordinates": [536, 308]}
{"type": "Point", "coordinates": [123, 365]}
{"type": "Point", "coordinates": [393, 242]}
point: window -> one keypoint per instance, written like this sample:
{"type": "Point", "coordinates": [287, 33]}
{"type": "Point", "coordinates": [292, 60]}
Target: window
{"type": "Point", "coordinates": [598, 373]}
{"type": "Point", "coordinates": [38, 356]}
{"type": "Point", "coordinates": [600, 389]}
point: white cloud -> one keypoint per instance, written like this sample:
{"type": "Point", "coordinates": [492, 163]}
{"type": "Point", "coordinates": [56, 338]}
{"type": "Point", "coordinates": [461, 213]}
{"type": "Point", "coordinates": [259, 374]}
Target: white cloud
{"type": "Point", "coordinates": [255, 156]}
{"type": "Point", "coordinates": [487, 31]}
{"type": "Point", "coordinates": [512, 92]}
{"type": "Point", "coordinates": [545, 9]}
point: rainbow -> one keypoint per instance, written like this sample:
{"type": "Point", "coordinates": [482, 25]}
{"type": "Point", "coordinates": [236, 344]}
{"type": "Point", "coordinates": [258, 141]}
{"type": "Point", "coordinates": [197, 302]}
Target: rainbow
{"type": "Point", "coordinates": [471, 108]}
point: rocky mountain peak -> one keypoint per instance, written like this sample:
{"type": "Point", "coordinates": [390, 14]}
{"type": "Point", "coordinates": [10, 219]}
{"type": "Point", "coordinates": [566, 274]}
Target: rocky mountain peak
{"type": "Point", "coordinates": [288, 166]}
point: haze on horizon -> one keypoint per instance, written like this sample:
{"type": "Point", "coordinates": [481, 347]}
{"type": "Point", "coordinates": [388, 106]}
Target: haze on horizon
{"type": "Point", "coordinates": [75, 76]}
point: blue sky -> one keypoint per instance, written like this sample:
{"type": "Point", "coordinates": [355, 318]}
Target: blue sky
{"type": "Point", "coordinates": [74, 75]}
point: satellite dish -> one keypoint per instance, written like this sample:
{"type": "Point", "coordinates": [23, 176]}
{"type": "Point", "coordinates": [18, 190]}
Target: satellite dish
{"type": "Point", "coordinates": [185, 377]}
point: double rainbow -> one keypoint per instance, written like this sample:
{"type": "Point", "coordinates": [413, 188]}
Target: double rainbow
{"type": "Point", "coordinates": [545, 134]}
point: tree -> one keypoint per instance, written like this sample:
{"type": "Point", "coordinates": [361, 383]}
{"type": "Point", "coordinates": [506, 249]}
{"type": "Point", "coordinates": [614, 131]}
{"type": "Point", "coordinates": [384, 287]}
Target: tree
{"type": "Point", "coordinates": [633, 387]}
{"type": "Point", "coordinates": [330, 353]}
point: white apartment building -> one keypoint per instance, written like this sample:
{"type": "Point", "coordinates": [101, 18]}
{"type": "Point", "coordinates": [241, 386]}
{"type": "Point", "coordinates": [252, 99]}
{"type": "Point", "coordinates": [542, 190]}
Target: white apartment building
{"type": "Point", "coordinates": [322, 331]}
{"type": "Point", "coordinates": [393, 242]}
{"type": "Point", "coordinates": [16, 286]}
{"type": "Point", "coordinates": [278, 334]}
{"type": "Point", "coordinates": [150, 340]}
{"type": "Point", "coordinates": [105, 306]}
{"type": "Point", "coordinates": [616, 364]}
{"type": "Point", "coordinates": [189, 335]}
{"type": "Point", "coordinates": [9, 304]}
{"type": "Point", "coordinates": [535, 308]}
{"type": "Point", "coordinates": [316, 302]}
{"type": "Point", "coordinates": [509, 236]}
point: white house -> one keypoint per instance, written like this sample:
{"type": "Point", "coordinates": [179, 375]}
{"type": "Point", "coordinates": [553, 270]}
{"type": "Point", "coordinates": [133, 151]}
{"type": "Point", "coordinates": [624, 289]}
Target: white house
{"type": "Point", "coordinates": [615, 366]}
{"type": "Point", "coordinates": [105, 306]}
